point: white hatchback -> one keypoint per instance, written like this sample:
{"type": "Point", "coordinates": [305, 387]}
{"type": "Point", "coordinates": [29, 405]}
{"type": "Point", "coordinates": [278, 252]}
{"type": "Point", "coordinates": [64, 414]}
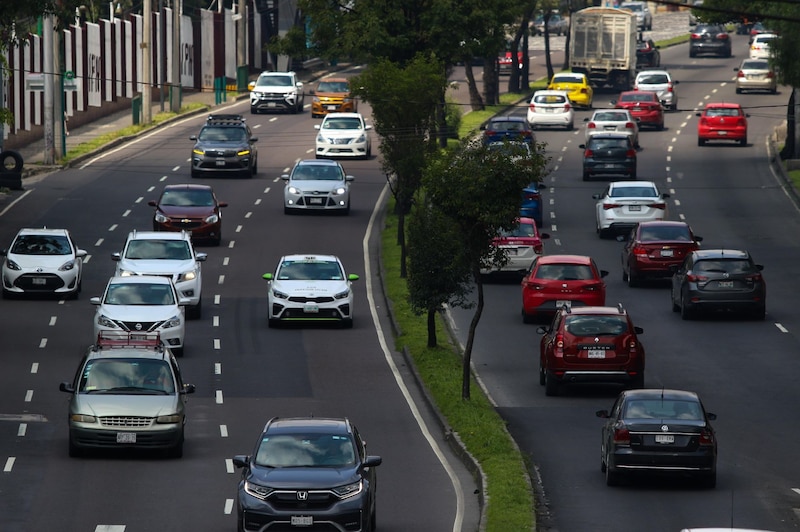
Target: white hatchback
{"type": "Point", "coordinates": [623, 204]}
{"type": "Point", "coordinates": [613, 121]}
{"type": "Point", "coordinates": [660, 82]}
{"type": "Point", "coordinates": [759, 48]}
{"type": "Point", "coordinates": [551, 108]}
{"type": "Point", "coordinates": [343, 135]}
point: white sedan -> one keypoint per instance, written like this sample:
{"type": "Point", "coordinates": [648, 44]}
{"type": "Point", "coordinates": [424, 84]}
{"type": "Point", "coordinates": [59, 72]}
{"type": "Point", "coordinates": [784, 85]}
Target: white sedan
{"type": "Point", "coordinates": [613, 121]}
{"type": "Point", "coordinates": [43, 261]}
{"type": "Point", "coordinates": [551, 108]}
{"type": "Point", "coordinates": [623, 204]}
{"type": "Point", "coordinates": [310, 288]}
{"type": "Point", "coordinates": [343, 135]}
{"type": "Point", "coordinates": [142, 303]}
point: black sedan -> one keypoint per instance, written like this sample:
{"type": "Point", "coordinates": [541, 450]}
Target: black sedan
{"type": "Point", "coordinates": [609, 154]}
{"type": "Point", "coordinates": [719, 280]}
{"type": "Point", "coordinates": [658, 431]}
{"type": "Point", "coordinates": [647, 54]}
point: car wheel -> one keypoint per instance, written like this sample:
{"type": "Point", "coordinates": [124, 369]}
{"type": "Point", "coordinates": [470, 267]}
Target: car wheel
{"type": "Point", "coordinates": [709, 481]}
{"type": "Point", "coordinates": [675, 306]}
{"type": "Point", "coordinates": [542, 378]}
{"type": "Point", "coordinates": [287, 210]}
{"type": "Point", "coordinates": [272, 323]}
{"type": "Point", "coordinates": [701, 142]}
{"type": "Point", "coordinates": [760, 313]}
{"type": "Point", "coordinates": [347, 323]}
{"type": "Point", "coordinates": [239, 524]}
{"type": "Point", "coordinates": [743, 142]}
{"type": "Point", "coordinates": [602, 463]}
{"type": "Point", "coordinates": [612, 477]}
{"type": "Point", "coordinates": [633, 280]}
{"type": "Point", "coordinates": [637, 382]}
{"type": "Point", "coordinates": [253, 111]}
{"type": "Point", "coordinates": [660, 127]}
{"type": "Point", "coordinates": [550, 385]}
{"type": "Point", "coordinates": [586, 176]}
{"type": "Point", "coordinates": [177, 450]}
{"type": "Point", "coordinates": [526, 318]}
{"type": "Point", "coordinates": [570, 126]}
{"type": "Point", "coordinates": [686, 312]}
{"type": "Point", "coordinates": [373, 522]}
{"type": "Point", "coordinates": [692, 54]}
{"type": "Point", "coordinates": [196, 311]}
{"type": "Point", "coordinates": [738, 90]}
{"type": "Point", "coordinates": [195, 174]}
{"type": "Point", "coordinates": [74, 450]}
{"type": "Point", "coordinates": [255, 169]}
{"type": "Point", "coordinates": [177, 351]}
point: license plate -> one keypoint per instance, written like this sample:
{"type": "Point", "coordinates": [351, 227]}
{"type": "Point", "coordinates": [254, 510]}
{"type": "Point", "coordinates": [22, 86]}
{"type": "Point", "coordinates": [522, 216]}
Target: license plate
{"type": "Point", "coordinates": [609, 165]}
{"type": "Point", "coordinates": [39, 280]}
{"type": "Point", "coordinates": [126, 437]}
{"type": "Point", "coordinates": [511, 251]}
{"type": "Point", "coordinates": [667, 253]}
{"type": "Point", "coordinates": [302, 520]}
{"type": "Point", "coordinates": [567, 303]}
{"type": "Point", "coordinates": [758, 76]}
{"type": "Point", "coordinates": [610, 128]}
{"type": "Point", "coordinates": [272, 104]}
{"type": "Point", "coordinates": [722, 133]}
{"type": "Point", "coordinates": [331, 108]}
{"type": "Point", "coordinates": [726, 284]}
{"type": "Point", "coordinates": [595, 353]}
{"type": "Point", "coordinates": [665, 438]}
{"type": "Point", "coordinates": [634, 207]}
{"type": "Point", "coordinates": [220, 162]}
{"type": "Point", "coordinates": [315, 201]}
{"type": "Point", "coordinates": [310, 309]}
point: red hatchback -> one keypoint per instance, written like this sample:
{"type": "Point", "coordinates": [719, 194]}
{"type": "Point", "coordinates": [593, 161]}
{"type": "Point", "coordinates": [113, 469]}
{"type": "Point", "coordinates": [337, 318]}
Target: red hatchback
{"type": "Point", "coordinates": [722, 121]}
{"type": "Point", "coordinates": [590, 344]}
{"type": "Point", "coordinates": [192, 208]}
{"type": "Point", "coordinates": [556, 281]}
{"type": "Point", "coordinates": [653, 248]}
{"type": "Point", "coordinates": [644, 106]}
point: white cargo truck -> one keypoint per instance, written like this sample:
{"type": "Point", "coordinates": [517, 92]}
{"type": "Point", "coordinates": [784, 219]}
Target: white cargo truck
{"type": "Point", "coordinates": [603, 46]}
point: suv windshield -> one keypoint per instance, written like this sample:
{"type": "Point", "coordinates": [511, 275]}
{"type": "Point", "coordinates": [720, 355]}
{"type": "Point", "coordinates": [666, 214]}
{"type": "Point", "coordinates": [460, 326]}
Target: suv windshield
{"type": "Point", "coordinates": [274, 81]}
{"type": "Point", "coordinates": [305, 450]}
{"type": "Point", "coordinates": [222, 134]}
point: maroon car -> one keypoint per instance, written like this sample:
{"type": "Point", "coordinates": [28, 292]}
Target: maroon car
{"type": "Point", "coordinates": [191, 208]}
{"type": "Point", "coordinates": [653, 248]}
{"type": "Point", "coordinates": [644, 107]}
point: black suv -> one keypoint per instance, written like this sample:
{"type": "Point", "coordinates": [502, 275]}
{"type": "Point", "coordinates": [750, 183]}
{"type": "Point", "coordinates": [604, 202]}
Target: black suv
{"type": "Point", "coordinates": [224, 145]}
{"type": "Point", "coordinates": [719, 279]}
{"type": "Point", "coordinates": [710, 39]}
{"type": "Point", "coordinates": [307, 472]}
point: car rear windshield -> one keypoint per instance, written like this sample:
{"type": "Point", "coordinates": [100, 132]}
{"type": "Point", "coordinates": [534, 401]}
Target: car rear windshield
{"type": "Point", "coordinates": [604, 144]}
{"type": "Point", "coordinates": [724, 266]}
{"type": "Point", "coordinates": [637, 97]}
{"type": "Point", "coordinates": [755, 65]}
{"type": "Point", "coordinates": [662, 409]}
{"type": "Point", "coordinates": [305, 450]}
{"type": "Point", "coordinates": [610, 117]}
{"type": "Point", "coordinates": [549, 98]}
{"type": "Point", "coordinates": [653, 79]}
{"type": "Point", "coordinates": [722, 111]}
{"type": "Point", "coordinates": [523, 229]}
{"type": "Point", "coordinates": [633, 192]}
{"type": "Point", "coordinates": [506, 125]}
{"type": "Point", "coordinates": [664, 233]}
{"type": "Point", "coordinates": [596, 325]}
{"type": "Point", "coordinates": [564, 272]}
{"type": "Point", "coordinates": [568, 79]}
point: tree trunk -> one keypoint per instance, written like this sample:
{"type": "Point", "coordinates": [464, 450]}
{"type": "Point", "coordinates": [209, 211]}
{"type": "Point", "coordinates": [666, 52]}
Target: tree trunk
{"type": "Point", "coordinates": [491, 81]}
{"type": "Point", "coordinates": [401, 240]}
{"type": "Point", "coordinates": [789, 148]}
{"type": "Point", "coordinates": [432, 328]}
{"type": "Point", "coordinates": [475, 100]}
{"type": "Point", "coordinates": [473, 325]}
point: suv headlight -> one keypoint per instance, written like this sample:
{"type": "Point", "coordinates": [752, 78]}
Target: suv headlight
{"type": "Point", "coordinates": [105, 321]}
{"type": "Point", "coordinates": [198, 151]}
{"type": "Point", "coordinates": [256, 490]}
{"type": "Point", "coordinates": [187, 276]}
{"type": "Point", "coordinates": [348, 490]}
{"type": "Point", "coordinates": [242, 153]}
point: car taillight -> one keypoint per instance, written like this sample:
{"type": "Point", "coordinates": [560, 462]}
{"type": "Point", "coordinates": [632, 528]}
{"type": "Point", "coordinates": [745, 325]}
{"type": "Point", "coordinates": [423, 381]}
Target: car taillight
{"type": "Point", "coordinates": [693, 278]}
{"type": "Point", "coordinates": [770, 75]}
{"type": "Point", "coordinates": [706, 437]}
{"type": "Point", "coordinates": [629, 125]}
{"type": "Point", "coordinates": [722, 36]}
{"type": "Point", "coordinates": [657, 205]}
{"type": "Point", "coordinates": [741, 74]}
{"type": "Point", "coordinates": [639, 250]}
{"type": "Point", "coordinates": [742, 122]}
{"type": "Point", "coordinates": [567, 107]}
{"type": "Point", "coordinates": [622, 436]}
{"type": "Point", "coordinates": [630, 153]}
{"type": "Point", "coordinates": [593, 287]}
{"type": "Point", "coordinates": [703, 121]}
{"type": "Point", "coordinates": [669, 87]}
{"type": "Point", "coordinates": [533, 285]}
{"type": "Point", "coordinates": [532, 107]}
{"type": "Point", "coordinates": [636, 87]}
{"type": "Point", "coordinates": [755, 278]}
{"type": "Point", "coordinates": [591, 125]}
{"type": "Point", "coordinates": [695, 36]}
{"type": "Point", "coordinates": [588, 153]}
{"type": "Point", "coordinates": [584, 91]}
{"type": "Point", "coordinates": [607, 206]}
{"type": "Point", "coordinates": [559, 351]}
{"type": "Point", "coordinates": [532, 196]}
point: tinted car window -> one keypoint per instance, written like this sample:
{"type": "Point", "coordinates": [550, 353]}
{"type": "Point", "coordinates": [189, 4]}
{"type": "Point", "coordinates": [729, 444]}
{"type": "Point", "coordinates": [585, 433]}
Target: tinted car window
{"type": "Point", "coordinates": [603, 144]}
{"type": "Point", "coordinates": [305, 450]}
{"type": "Point", "coordinates": [633, 192]}
{"type": "Point", "coordinates": [564, 272]}
{"type": "Point", "coordinates": [653, 79]}
{"type": "Point", "coordinates": [722, 111]}
{"type": "Point", "coordinates": [725, 265]}
{"type": "Point", "coordinates": [610, 117]}
{"type": "Point", "coordinates": [654, 234]}
{"type": "Point", "coordinates": [567, 79]}
{"type": "Point", "coordinates": [596, 325]}
{"type": "Point", "coordinates": [550, 98]}
{"type": "Point", "coordinates": [663, 409]}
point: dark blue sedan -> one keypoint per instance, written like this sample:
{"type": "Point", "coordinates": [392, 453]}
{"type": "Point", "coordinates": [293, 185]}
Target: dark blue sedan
{"type": "Point", "coordinates": [511, 128]}
{"type": "Point", "coordinates": [532, 202]}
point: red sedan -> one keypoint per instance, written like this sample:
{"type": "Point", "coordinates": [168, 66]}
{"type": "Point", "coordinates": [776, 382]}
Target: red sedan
{"type": "Point", "coordinates": [722, 121]}
{"type": "Point", "coordinates": [653, 248]}
{"type": "Point", "coordinates": [555, 281]}
{"type": "Point", "coordinates": [644, 106]}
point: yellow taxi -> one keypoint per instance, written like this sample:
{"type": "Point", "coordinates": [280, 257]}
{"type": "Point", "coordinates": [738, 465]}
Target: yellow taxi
{"type": "Point", "coordinates": [575, 85]}
{"type": "Point", "coordinates": [332, 95]}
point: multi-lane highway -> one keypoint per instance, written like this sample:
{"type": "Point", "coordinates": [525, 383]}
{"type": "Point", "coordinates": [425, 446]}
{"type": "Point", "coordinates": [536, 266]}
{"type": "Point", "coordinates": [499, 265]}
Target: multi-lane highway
{"type": "Point", "coordinates": [745, 371]}
{"type": "Point", "coordinates": [245, 373]}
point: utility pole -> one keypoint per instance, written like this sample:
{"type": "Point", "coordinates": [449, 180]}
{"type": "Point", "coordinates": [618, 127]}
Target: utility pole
{"type": "Point", "coordinates": [147, 77]}
{"type": "Point", "coordinates": [49, 90]}
{"type": "Point", "coordinates": [240, 33]}
{"type": "Point", "coordinates": [175, 101]}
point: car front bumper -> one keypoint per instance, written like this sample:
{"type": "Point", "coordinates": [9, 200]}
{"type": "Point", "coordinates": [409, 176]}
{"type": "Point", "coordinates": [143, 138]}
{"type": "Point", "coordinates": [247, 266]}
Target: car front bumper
{"type": "Point", "coordinates": [319, 310]}
{"type": "Point", "coordinates": [354, 149]}
{"type": "Point", "coordinates": [172, 337]}
{"type": "Point", "coordinates": [95, 436]}
{"type": "Point", "coordinates": [349, 515]}
{"type": "Point", "coordinates": [200, 230]}
{"type": "Point", "coordinates": [25, 281]}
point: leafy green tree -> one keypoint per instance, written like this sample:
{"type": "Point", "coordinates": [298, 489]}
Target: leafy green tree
{"type": "Point", "coordinates": [438, 273]}
{"type": "Point", "coordinates": [404, 101]}
{"type": "Point", "coordinates": [479, 190]}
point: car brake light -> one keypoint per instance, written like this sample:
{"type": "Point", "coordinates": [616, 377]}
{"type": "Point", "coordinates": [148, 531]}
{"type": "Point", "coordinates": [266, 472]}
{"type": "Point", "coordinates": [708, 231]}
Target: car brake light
{"type": "Point", "coordinates": [629, 125]}
{"type": "Point", "coordinates": [592, 125]}
{"type": "Point", "coordinates": [657, 205]}
{"type": "Point", "coordinates": [693, 278]}
{"type": "Point", "coordinates": [532, 285]}
{"type": "Point", "coordinates": [588, 153]}
{"type": "Point", "coordinates": [695, 36]}
{"type": "Point", "coordinates": [741, 74]}
{"type": "Point", "coordinates": [532, 196]}
{"type": "Point", "coordinates": [706, 437]}
{"type": "Point", "coordinates": [630, 153]}
{"type": "Point", "coordinates": [607, 206]}
{"type": "Point", "coordinates": [722, 36]}
{"type": "Point", "coordinates": [584, 91]}
{"type": "Point", "coordinates": [756, 278]}
{"type": "Point", "coordinates": [622, 436]}
{"type": "Point", "coordinates": [742, 122]}
{"type": "Point", "coordinates": [770, 75]}
{"type": "Point", "coordinates": [532, 107]}
{"type": "Point", "coordinates": [592, 287]}
{"type": "Point", "coordinates": [566, 107]}
{"type": "Point", "coordinates": [636, 87]}
{"type": "Point", "coordinates": [669, 87]}
{"type": "Point", "coordinates": [639, 250]}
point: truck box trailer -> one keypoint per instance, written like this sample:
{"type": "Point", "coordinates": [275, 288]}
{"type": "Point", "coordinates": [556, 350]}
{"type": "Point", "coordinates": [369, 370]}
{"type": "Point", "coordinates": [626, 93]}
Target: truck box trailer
{"type": "Point", "coordinates": [603, 46]}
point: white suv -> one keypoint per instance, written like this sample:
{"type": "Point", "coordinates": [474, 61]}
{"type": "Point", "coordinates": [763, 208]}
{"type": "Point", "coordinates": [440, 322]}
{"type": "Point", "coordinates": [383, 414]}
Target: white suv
{"type": "Point", "coordinates": [274, 91]}
{"type": "Point", "coordinates": [167, 255]}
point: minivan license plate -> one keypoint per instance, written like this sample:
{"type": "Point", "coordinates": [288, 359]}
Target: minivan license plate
{"type": "Point", "coordinates": [126, 437]}
{"type": "Point", "coordinates": [302, 520]}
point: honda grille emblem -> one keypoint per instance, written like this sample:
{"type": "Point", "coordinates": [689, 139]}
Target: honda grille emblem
{"type": "Point", "coordinates": [302, 495]}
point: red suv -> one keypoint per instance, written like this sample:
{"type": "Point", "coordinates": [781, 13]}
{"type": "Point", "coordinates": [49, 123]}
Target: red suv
{"type": "Point", "coordinates": [554, 281]}
{"type": "Point", "coordinates": [590, 344]}
{"type": "Point", "coordinates": [654, 248]}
